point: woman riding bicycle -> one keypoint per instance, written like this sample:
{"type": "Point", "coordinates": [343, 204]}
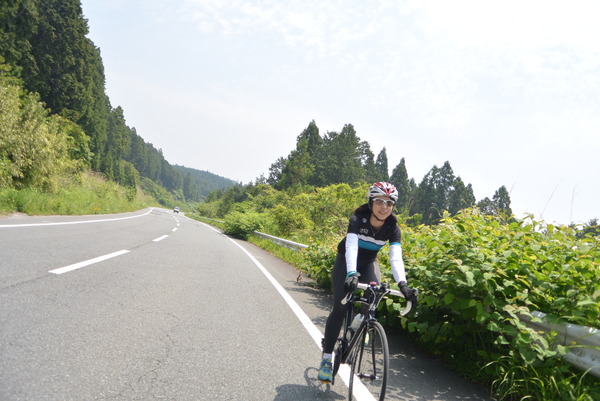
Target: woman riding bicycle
{"type": "Point", "coordinates": [370, 227]}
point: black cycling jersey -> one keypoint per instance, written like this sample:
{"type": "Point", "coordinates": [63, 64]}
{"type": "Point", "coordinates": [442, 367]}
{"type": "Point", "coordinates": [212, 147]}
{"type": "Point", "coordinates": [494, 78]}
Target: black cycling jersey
{"type": "Point", "coordinates": [370, 241]}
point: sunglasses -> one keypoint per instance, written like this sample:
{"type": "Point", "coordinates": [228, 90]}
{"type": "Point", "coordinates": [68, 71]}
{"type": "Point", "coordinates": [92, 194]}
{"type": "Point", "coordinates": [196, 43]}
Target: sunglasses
{"type": "Point", "coordinates": [383, 202]}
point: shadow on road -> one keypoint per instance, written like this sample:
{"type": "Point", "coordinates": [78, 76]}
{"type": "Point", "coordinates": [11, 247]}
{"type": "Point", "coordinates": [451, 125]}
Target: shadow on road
{"type": "Point", "coordinates": [313, 390]}
{"type": "Point", "coordinates": [416, 376]}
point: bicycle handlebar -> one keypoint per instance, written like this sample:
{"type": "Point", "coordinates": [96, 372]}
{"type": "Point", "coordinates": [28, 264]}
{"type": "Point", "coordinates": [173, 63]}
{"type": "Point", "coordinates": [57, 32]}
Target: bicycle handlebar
{"type": "Point", "coordinates": [397, 293]}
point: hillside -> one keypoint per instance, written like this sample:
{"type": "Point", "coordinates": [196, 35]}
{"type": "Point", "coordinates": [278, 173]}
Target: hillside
{"type": "Point", "coordinates": [58, 119]}
{"type": "Point", "coordinates": [204, 181]}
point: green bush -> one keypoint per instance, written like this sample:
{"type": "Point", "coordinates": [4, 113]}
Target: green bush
{"type": "Point", "coordinates": [208, 210]}
{"type": "Point", "coordinates": [241, 225]}
{"type": "Point", "coordinates": [35, 146]}
{"type": "Point", "coordinates": [290, 221]}
{"type": "Point", "coordinates": [318, 262]}
{"type": "Point", "coordinates": [478, 277]}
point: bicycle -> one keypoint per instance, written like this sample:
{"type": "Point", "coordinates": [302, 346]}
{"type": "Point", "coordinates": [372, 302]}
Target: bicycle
{"type": "Point", "coordinates": [366, 349]}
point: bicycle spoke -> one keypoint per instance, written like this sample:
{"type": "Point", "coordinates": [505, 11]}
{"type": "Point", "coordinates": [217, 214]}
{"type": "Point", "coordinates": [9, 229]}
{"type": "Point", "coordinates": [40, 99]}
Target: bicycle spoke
{"type": "Point", "coordinates": [370, 364]}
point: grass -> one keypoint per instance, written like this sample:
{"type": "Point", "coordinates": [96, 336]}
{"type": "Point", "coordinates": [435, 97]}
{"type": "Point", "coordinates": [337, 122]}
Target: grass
{"type": "Point", "coordinates": [88, 194]}
{"type": "Point", "coordinates": [290, 256]}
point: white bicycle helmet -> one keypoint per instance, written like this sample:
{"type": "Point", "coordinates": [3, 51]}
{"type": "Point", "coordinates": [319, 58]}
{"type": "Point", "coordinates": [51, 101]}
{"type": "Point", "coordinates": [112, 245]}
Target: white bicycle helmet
{"type": "Point", "coordinates": [383, 189]}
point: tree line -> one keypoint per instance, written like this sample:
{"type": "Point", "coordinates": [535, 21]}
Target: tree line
{"type": "Point", "coordinates": [343, 158]}
{"type": "Point", "coordinates": [47, 56]}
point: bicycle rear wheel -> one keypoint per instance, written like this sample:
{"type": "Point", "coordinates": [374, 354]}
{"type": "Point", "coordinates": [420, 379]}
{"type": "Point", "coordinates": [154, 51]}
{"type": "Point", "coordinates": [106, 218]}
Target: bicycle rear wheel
{"type": "Point", "coordinates": [371, 362]}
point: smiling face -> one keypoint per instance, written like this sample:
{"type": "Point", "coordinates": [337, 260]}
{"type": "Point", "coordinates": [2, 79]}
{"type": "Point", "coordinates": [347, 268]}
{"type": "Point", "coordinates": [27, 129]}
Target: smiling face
{"type": "Point", "coordinates": [382, 207]}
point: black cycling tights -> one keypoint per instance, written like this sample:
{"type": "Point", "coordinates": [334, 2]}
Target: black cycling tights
{"type": "Point", "coordinates": [369, 272]}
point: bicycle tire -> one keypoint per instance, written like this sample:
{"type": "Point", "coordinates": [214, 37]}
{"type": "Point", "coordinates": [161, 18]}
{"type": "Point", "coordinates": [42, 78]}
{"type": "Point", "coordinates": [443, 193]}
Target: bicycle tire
{"type": "Point", "coordinates": [371, 361]}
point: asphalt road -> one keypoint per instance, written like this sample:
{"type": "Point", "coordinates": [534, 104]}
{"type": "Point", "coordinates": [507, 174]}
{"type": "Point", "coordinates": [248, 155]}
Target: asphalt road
{"type": "Point", "coordinates": [155, 306]}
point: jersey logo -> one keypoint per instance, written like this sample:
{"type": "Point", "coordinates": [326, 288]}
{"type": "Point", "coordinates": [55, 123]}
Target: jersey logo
{"type": "Point", "coordinates": [364, 220]}
{"type": "Point", "coordinates": [364, 230]}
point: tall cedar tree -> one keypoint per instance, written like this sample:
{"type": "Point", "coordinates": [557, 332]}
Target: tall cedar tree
{"type": "Point", "coordinates": [381, 166]}
{"type": "Point", "coordinates": [399, 178]}
{"type": "Point", "coordinates": [340, 158]}
{"type": "Point", "coordinates": [297, 169]}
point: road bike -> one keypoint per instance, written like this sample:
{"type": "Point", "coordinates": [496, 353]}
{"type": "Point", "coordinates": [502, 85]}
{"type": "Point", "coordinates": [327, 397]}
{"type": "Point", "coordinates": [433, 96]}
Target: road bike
{"type": "Point", "coordinates": [366, 348]}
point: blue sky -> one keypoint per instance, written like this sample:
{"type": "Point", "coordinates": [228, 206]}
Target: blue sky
{"type": "Point", "coordinates": [508, 92]}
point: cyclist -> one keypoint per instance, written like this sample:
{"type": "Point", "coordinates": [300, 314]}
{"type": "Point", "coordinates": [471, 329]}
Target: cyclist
{"type": "Point", "coordinates": [370, 227]}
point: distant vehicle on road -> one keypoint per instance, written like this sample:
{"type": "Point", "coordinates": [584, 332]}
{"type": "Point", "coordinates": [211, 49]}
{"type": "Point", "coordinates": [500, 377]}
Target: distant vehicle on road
{"type": "Point", "coordinates": [176, 210]}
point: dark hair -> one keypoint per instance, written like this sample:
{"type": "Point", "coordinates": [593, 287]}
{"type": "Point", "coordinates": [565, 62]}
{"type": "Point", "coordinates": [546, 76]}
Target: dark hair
{"type": "Point", "coordinates": [362, 209]}
{"type": "Point", "coordinates": [366, 210]}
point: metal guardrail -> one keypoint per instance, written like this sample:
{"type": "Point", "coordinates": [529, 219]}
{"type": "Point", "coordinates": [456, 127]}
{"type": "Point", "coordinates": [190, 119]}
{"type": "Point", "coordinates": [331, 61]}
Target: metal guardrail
{"type": "Point", "coordinates": [583, 341]}
{"type": "Point", "coordinates": [279, 241]}
{"type": "Point", "coordinates": [282, 242]}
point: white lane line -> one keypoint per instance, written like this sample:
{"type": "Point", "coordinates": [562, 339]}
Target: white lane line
{"type": "Point", "coordinates": [173, 230]}
{"type": "Point", "coordinates": [212, 228]}
{"type": "Point", "coordinates": [75, 222]}
{"type": "Point", "coordinates": [360, 392]}
{"type": "Point", "coordinates": [79, 265]}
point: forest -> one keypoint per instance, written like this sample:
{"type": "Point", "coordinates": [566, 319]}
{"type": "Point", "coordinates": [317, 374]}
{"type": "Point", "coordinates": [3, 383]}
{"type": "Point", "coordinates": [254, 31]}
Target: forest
{"type": "Point", "coordinates": [342, 157]}
{"type": "Point", "coordinates": [320, 161]}
{"type": "Point", "coordinates": [57, 118]}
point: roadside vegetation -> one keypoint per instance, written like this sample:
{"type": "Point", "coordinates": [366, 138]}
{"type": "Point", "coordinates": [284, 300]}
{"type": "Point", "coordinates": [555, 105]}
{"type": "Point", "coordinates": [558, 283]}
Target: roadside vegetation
{"type": "Point", "coordinates": [478, 274]}
{"type": "Point", "coordinates": [89, 194]}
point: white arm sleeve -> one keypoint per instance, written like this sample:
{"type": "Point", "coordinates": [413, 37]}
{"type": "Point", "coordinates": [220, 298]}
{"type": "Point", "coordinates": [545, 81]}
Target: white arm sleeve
{"type": "Point", "coordinates": [397, 262]}
{"type": "Point", "coordinates": [351, 252]}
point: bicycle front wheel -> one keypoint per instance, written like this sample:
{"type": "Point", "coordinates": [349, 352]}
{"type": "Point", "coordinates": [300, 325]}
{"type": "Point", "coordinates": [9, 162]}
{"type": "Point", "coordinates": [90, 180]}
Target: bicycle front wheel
{"type": "Point", "coordinates": [371, 362]}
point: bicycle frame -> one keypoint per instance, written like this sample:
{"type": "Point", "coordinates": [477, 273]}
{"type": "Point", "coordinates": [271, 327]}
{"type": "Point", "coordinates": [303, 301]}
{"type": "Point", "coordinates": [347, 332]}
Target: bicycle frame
{"type": "Point", "coordinates": [372, 296]}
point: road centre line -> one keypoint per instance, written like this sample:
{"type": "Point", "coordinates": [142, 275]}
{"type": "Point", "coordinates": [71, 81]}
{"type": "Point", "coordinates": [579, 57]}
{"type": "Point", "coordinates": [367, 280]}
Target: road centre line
{"type": "Point", "coordinates": [361, 393]}
{"type": "Point", "coordinates": [88, 262]}
{"type": "Point", "coordinates": [74, 222]}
